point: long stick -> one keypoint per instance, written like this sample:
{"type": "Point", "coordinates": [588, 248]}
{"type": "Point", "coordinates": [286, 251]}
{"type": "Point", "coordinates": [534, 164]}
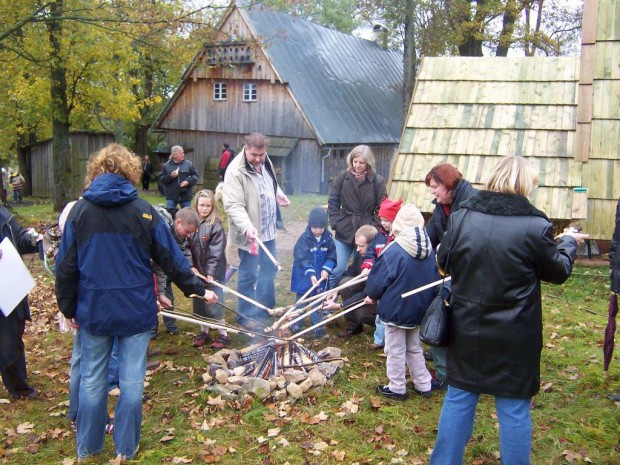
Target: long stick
{"type": "Point", "coordinates": [302, 316]}
{"type": "Point", "coordinates": [327, 320]}
{"type": "Point", "coordinates": [356, 280]}
{"type": "Point", "coordinates": [241, 296]}
{"type": "Point", "coordinates": [277, 324]}
{"type": "Point", "coordinates": [266, 250]}
{"type": "Point", "coordinates": [425, 287]}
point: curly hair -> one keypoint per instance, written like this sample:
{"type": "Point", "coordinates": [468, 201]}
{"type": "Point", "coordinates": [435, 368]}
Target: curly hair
{"type": "Point", "coordinates": [362, 151]}
{"type": "Point", "coordinates": [114, 158]}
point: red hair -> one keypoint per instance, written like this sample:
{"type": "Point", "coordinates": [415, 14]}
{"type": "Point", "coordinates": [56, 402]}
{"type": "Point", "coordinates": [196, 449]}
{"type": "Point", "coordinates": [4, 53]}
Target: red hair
{"type": "Point", "coordinates": [444, 174]}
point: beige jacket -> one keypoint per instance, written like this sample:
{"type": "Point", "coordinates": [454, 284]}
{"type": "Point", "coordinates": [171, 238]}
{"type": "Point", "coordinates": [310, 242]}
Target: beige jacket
{"type": "Point", "coordinates": [242, 200]}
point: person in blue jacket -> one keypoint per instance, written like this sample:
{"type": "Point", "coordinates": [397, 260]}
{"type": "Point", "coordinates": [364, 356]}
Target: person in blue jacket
{"type": "Point", "coordinates": [405, 264]}
{"type": "Point", "coordinates": [12, 354]}
{"type": "Point", "coordinates": [104, 286]}
{"type": "Point", "coordinates": [314, 258]}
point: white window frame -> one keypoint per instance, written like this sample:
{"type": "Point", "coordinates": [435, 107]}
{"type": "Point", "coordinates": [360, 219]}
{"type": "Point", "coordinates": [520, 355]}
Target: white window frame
{"type": "Point", "coordinates": [220, 91]}
{"type": "Point", "coordinates": [250, 92]}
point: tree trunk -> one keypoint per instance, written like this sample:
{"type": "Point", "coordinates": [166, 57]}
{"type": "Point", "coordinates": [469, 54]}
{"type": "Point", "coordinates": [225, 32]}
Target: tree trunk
{"type": "Point", "coordinates": [409, 56]}
{"type": "Point", "coordinates": [23, 160]}
{"type": "Point", "coordinates": [61, 148]}
{"type": "Point", "coordinates": [511, 13]}
{"type": "Point", "coordinates": [141, 130]}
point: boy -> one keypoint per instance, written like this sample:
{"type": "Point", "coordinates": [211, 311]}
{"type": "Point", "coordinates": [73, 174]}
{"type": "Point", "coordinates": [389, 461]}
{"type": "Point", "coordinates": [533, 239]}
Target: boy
{"type": "Point", "coordinates": [406, 263]}
{"type": "Point", "coordinates": [185, 223]}
{"type": "Point", "coordinates": [314, 258]}
{"type": "Point", "coordinates": [387, 212]}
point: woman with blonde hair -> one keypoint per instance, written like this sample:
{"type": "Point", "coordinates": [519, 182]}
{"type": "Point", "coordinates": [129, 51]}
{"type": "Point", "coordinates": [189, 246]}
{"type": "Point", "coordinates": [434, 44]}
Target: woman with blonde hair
{"type": "Point", "coordinates": [208, 245]}
{"type": "Point", "coordinates": [354, 201]}
{"type": "Point", "coordinates": [498, 248]}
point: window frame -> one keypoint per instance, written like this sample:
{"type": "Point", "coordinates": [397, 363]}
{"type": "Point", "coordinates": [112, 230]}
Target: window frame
{"type": "Point", "coordinates": [220, 91]}
{"type": "Point", "coordinates": [250, 92]}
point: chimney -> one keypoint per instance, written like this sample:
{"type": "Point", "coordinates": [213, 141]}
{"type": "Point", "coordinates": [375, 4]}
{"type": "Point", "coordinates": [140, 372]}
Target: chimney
{"type": "Point", "coordinates": [380, 35]}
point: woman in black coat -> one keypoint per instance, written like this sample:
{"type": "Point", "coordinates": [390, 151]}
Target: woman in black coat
{"type": "Point", "coordinates": [354, 201]}
{"type": "Point", "coordinates": [500, 249]}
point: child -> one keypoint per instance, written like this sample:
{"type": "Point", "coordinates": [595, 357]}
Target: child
{"type": "Point", "coordinates": [208, 257]}
{"type": "Point", "coordinates": [387, 212]}
{"type": "Point", "coordinates": [314, 258]}
{"type": "Point", "coordinates": [406, 263]}
{"type": "Point", "coordinates": [17, 181]}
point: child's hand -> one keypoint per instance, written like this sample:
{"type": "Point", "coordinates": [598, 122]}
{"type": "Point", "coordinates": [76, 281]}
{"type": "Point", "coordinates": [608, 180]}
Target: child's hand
{"type": "Point", "coordinates": [365, 272]}
{"type": "Point", "coordinates": [313, 279]}
{"type": "Point", "coordinates": [369, 301]}
{"type": "Point", "coordinates": [210, 278]}
{"type": "Point", "coordinates": [324, 275]}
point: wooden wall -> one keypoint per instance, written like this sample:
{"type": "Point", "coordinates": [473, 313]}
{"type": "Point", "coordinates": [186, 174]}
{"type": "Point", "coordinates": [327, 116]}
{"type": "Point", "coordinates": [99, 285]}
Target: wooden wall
{"type": "Point", "coordinates": [83, 145]}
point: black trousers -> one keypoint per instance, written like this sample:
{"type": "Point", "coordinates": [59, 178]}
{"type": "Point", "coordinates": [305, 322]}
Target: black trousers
{"type": "Point", "coordinates": [365, 314]}
{"type": "Point", "coordinates": [14, 374]}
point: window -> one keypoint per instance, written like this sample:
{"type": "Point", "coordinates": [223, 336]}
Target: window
{"type": "Point", "coordinates": [249, 92]}
{"type": "Point", "coordinates": [219, 91]}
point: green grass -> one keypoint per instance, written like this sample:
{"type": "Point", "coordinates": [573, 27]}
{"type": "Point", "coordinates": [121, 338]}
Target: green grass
{"type": "Point", "coordinates": [573, 419]}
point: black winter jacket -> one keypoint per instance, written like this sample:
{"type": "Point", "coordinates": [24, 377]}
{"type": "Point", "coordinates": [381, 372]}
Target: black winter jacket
{"type": "Point", "coordinates": [614, 257]}
{"type": "Point", "coordinates": [352, 204]}
{"type": "Point", "coordinates": [172, 187]}
{"type": "Point", "coordinates": [438, 223]}
{"type": "Point", "coordinates": [502, 249]}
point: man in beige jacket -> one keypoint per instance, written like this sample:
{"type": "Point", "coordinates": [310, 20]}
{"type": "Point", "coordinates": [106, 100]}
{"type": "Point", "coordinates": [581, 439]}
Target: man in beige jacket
{"type": "Point", "coordinates": [251, 200]}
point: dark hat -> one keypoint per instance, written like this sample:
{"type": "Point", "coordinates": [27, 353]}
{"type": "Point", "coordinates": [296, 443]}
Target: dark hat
{"type": "Point", "coordinates": [317, 218]}
{"type": "Point", "coordinates": [389, 208]}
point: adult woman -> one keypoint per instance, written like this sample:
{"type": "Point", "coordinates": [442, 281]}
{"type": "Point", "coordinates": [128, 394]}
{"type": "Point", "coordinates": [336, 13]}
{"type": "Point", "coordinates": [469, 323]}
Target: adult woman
{"type": "Point", "coordinates": [500, 248]}
{"type": "Point", "coordinates": [354, 201]}
{"type": "Point", "coordinates": [449, 189]}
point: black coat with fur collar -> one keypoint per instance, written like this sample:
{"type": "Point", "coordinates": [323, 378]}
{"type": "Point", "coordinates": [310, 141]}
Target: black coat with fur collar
{"type": "Point", "coordinates": [501, 248]}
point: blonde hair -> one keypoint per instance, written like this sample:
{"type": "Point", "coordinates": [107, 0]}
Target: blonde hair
{"type": "Point", "coordinates": [367, 231]}
{"type": "Point", "coordinates": [114, 158]}
{"type": "Point", "coordinates": [513, 175]}
{"type": "Point", "coordinates": [215, 212]}
{"type": "Point", "coordinates": [364, 152]}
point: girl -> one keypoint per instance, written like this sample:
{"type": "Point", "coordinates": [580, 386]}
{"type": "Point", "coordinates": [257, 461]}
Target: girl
{"type": "Point", "coordinates": [207, 246]}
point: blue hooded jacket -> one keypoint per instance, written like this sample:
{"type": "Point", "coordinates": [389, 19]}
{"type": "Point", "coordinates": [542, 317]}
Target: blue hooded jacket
{"type": "Point", "coordinates": [104, 277]}
{"type": "Point", "coordinates": [311, 257]}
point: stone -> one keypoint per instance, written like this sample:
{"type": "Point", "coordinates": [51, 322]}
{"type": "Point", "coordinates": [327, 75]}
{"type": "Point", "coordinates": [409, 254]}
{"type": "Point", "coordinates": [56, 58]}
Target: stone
{"type": "Point", "coordinates": [330, 352]}
{"type": "Point", "coordinates": [305, 385]}
{"type": "Point", "coordinates": [318, 378]}
{"type": "Point", "coordinates": [232, 387]}
{"type": "Point", "coordinates": [295, 376]}
{"type": "Point", "coordinates": [221, 390]}
{"type": "Point", "coordinates": [328, 369]}
{"type": "Point", "coordinates": [221, 376]}
{"type": "Point", "coordinates": [218, 359]}
{"type": "Point", "coordinates": [207, 378]}
{"type": "Point", "coordinates": [258, 387]}
{"type": "Point", "coordinates": [279, 395]}
{"type": "Point", "coordinates": [294, 390]}
{"type": "Point", "coordinates": [234, 359]}
{"type": "Point", "coordinates": [237, 379]}
{"type": "Point", "coordinates": [239, 371]}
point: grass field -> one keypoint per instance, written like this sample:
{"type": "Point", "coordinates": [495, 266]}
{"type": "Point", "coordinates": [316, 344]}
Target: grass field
{"type": "Point", "coordinates": [345, 422]}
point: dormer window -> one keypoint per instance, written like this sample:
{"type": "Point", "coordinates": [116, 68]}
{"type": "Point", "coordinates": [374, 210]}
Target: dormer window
{"type": "Point", "coordinates": [220, 91]}
{"type": "Point", "coordinates": [250, 92]}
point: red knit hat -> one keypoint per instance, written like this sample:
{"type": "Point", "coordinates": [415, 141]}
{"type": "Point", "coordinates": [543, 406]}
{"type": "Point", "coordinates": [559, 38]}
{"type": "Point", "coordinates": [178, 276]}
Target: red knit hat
{"type": "Point", "coordinates": [389, 208]}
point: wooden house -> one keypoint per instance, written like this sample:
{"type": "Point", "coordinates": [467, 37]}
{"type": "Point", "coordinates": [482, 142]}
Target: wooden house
{"type": "Point", "coordinates": [471, 111]}
{"type": "Point", "coordinates": [315, 92]}
{"type": "Point", "coordinates": [83, 145]}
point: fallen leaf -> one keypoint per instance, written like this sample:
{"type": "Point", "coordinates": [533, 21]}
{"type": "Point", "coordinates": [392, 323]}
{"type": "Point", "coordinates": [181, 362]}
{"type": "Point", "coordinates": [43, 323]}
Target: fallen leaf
{"type": "Point", "coordinates": [5, 401]}
{"type": "Point", "coordinates": [273, 432]}
{"type": "Point", "coordinates": [25, 428]}
{"type": "Point", "coordinates": [320, 446]}
{"type": "Point", "coordinates": [181, 460]}
{"type": "Point", "coordinates": [167, 438]}
{"type": "Point", "coordinates": [217, 402]}
{"type": "Point", "coordinates": [571, 456]}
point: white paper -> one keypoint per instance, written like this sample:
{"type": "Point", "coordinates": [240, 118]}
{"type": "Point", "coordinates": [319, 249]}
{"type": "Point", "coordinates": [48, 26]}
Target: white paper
{"type": "Point", "coordinates": [15, 279]}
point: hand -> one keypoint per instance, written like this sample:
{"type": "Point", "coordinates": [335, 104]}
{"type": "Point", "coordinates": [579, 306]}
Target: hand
{"type": "Point", "coordinates": [165, 302]}
{"type": "Point", "coordinates": [331, 305]}
{"type": "Point", "coordinates": [313, 279]}
{"type": "Point", "coordinates": [324, 275]}
{"type": "Point", "coordinates": [365, 272]}
{"type": "Point", "coordinates": [72, 324]}
{"type": "Point", "coordinates": [369, 301]}
{"type": "Point", "coordinates": [572, 232]}
{"type": "Point", "coordinates": [283, 200]}
{"type": "Point", "coordinates": [210, 278]}
{"type": "Point", "coordinates": [251, 233]}
{"type": "Point", "coordinates": [175, 173]}
{"type": "Point", "coordinates": [210, 297]}
{"type": "Point", "coordinates": [184, 184]}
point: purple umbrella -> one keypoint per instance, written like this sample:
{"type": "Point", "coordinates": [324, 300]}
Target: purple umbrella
{"type": "Point", "coordinates": [610, 331]}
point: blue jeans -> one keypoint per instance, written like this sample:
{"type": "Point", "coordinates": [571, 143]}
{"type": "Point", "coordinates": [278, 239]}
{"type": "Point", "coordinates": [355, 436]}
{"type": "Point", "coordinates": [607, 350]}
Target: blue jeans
{"type": "Point", "coordinates": [379, 335]}
{"type": "Point", "coordinates": [315, 318]}
{"type": "Point", "coordinates": [343, 254]}
{"type": "Point", "coordinates": [172, 203]}
{"type": "Point", "coordinates": [439, 362]}
{"type": "Point", "coordinates": [93, 396]}
{"type": "Point", "coordinates": [256, 281]}
{"type": "Point", "coordinates": [74, 377]}
{"type": "Point", "coordinates": [456, 425]}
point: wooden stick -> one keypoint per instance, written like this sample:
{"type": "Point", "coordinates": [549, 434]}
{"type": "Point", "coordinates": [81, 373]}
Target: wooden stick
{"type": "Point", "coordinates": [356, 280]}
{"type": "Point", "coordinates": [266, 250]}
{"type": "Point", "coordinates": [241, 296]}
{"type": "Point", "coordinates": [277, 324]}
{"type": "Point", "coordinates": [302, 316]}
{"type": "Point", "coordinates": [327, 320]}
{"type": "Point", "coordinates": [425, 287]}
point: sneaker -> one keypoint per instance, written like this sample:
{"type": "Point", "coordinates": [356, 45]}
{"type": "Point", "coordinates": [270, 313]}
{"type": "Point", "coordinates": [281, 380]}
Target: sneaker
{"type": "Point", "coordinates": [153, 335]}
{"type": "Point", "coordinates": [425, 394]}
{"type": "Point", "coordinates": [374, 346]}
{"type": "Point", "coordinates": [349, 333]}
{"type": "Point", "coordinates": [201, 340]}
{"type": "Point", "coordinates": [173, 331]}
{"type": "Point", "coordinates": [387, 392]}
{"type": "Point", "coordinates": [221, 342]}
{"type": "Point", "coordinates": [438, 385]}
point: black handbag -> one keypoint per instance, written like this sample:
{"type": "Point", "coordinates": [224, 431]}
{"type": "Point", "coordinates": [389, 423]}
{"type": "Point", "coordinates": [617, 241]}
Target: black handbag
{"type": "Point", "coordinates": [435, 326]}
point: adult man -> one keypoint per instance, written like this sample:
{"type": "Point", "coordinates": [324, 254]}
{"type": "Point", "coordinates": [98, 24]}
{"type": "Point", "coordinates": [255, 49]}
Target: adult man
{"type": "Point", "coordinates": [178, 175]}
{"type": "Point", "coordinates": [12, 356]}
{"type": "Point", "coordinates": [147, 172]}
{"type": "Point", "coordinates": [227, 156]}
{"type": "Point", "coordinates": [104, 284]}
{"type": "Point", "coordinates": [251, 197]}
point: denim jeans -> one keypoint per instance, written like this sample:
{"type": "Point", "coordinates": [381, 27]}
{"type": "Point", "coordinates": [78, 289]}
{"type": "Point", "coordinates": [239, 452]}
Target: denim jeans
{"type": "Point", "coordinates": [74, 377]}
{"type": "Point", "coordinates": [379, 335]}
{"type": "Point", "coordinates": [256, 281]}
{"type": "Point", "coordinates": [315, 317]}
{"type": "Point", "coordinates": [172, 203]}
{"type": "Point", "coordinates": [93, 396]}
{"type": "Point", "coordinates": [439, 362]}
{"type": "Point", "coordinates": [456, 425]}
{"type": "Point", "coordinates": [343, 253]}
